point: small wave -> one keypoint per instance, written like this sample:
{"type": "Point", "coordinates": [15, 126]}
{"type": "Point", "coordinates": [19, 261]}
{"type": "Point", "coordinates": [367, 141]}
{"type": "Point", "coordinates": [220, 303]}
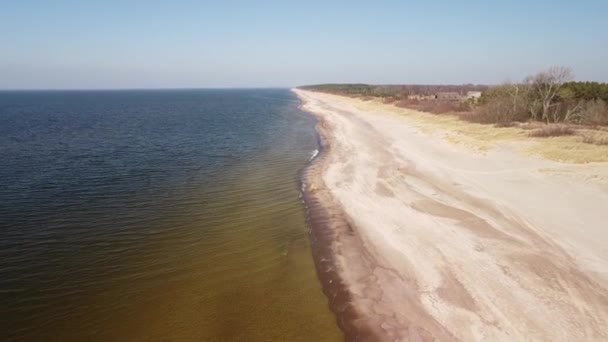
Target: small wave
{"type": "Point", "coordinates": [301, 194]}
{"type": "Point", "coordinates": [313, 154]}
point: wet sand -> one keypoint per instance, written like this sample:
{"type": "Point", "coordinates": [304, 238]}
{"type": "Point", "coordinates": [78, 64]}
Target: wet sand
{"type": "Point", "coordinates": [419, 239]}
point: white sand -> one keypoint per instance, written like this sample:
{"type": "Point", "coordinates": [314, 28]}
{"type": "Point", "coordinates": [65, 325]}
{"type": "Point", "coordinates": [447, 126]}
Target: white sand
{"type": "Point", "coordinates": [462, 245]}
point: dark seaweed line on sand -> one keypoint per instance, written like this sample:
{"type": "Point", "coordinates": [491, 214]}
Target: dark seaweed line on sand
{"type": "Point", "coordinates": [328, 224]}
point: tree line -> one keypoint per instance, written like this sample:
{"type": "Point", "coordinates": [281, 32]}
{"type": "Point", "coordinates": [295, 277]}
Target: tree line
{"type": "Point", "coordinates": [394, 91]}
{"type": "Point", "coordinates": [549, 96]}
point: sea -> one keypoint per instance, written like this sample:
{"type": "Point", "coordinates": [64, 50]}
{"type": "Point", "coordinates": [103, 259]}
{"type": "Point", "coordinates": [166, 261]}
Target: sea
{"type": "Point", "coordinates": [157, 215]}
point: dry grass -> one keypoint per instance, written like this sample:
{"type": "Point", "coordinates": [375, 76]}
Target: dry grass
{"type": "Point", "coordinates": [473, 135]}
{"type": "Point", "coordinates": [600, 128]}
{"type": "Point", "coordinates": [435, 106]}
{"type": "Point", "coordinates": [569, 149]}
{"type": "Point", "coordinates": [585, 146]}
{"type": "Point", "coordinates": [551, 131]}
{"type": "Point", "coordinates": [599, 138]}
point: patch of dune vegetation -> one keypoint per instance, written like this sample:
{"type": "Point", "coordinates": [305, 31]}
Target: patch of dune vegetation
{"type": "Point", "coordinates": [575, 148]}
{"type": "Point", "coordinates": [546, 114]}
{"type": "Point", "coordinates": [570, 149]}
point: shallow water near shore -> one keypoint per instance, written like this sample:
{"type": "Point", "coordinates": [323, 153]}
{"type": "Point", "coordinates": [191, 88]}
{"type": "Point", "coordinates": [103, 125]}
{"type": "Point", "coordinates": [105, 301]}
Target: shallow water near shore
{"type": "Point", "coordinates": [156, 215]}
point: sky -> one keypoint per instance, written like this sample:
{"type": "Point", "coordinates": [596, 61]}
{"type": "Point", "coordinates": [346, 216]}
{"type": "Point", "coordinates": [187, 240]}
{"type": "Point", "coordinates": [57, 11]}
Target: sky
{"type": "Point", "coordinates": [190, 44]}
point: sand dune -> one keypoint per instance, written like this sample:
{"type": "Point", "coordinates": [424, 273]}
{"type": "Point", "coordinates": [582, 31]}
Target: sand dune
{"type": "Point", "coordinates": [431, 240]}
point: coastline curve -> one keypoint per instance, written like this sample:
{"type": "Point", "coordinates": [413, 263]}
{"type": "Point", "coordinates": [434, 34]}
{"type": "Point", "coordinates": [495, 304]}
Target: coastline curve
{"type": "Point", "coordinates": [336, 244]}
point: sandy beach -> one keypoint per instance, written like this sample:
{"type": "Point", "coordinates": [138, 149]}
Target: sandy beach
{"type": "Point", "coordinates": [418, 238]}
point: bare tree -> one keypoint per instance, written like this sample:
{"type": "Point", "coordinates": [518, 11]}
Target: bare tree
{"type": "Point", "coordinates": [546, 85]}
{"type": "Point", "coordinates": [518, 94]}
{"type": "Point", "coordinates": [573, 112]}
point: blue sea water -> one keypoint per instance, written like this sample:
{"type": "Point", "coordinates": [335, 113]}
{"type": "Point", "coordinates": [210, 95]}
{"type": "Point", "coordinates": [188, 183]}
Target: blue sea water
{"type": "Point", "coordinates": [156, 215]}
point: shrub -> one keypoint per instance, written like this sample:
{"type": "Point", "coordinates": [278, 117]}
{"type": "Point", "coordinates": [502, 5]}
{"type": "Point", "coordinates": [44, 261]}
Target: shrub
{"type": "Point", "coordinates": [505, 124]}
{"type": "Point", "coordinates": [500, 109]}
{"type": "Point", "coordinates": [406, 103]}
{"type": "Point", "coordinates": [594, 112]}
{"type": "Point", "coordinates": [596, 138]}
{"type": "Point", "coordinates": [551, 131]}
{"type": "Point", "coordinates": [440, 107]}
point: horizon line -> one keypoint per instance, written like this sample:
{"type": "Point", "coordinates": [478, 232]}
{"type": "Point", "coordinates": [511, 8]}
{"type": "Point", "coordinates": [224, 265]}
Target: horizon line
{"type": "Point", "coordinates": [142, 88]}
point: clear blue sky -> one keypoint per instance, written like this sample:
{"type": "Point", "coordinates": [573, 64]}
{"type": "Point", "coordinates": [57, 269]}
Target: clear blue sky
{"type": "Point", "coordinates": [165, 44]}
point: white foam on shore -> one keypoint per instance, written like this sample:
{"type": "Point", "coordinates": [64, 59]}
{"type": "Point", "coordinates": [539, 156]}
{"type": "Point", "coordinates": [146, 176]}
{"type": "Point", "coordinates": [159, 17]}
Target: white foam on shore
{"type": "Point", "coordinates": [313, 154]}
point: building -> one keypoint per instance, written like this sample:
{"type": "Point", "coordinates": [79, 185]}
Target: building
{"type": "Point", "coordinates": [473, 95]}
{"type": "Point", "coordinates": [421, 97]}
{"type": "Point", "coordinates": [448, 96]}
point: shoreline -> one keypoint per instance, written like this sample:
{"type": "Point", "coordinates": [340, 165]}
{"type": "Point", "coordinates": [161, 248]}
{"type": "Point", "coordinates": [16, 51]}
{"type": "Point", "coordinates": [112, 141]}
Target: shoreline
{"type": "Point", "coordinates": [333, 238]}
{"type": "Point", "coordinates": [328, 225]}
{"type": "Point", "coordinates": [382, 287]}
